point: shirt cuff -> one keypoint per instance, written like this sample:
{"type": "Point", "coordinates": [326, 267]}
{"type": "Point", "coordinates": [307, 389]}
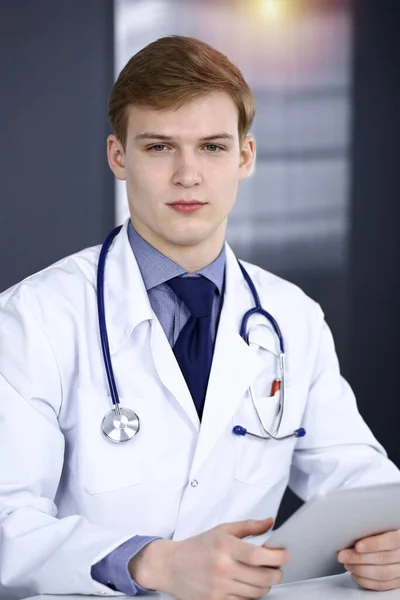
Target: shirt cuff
{"type": "Point", "coordinates": [112, 570]}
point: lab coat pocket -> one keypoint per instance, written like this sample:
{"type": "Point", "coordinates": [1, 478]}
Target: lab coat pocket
{"type": "Point", "coordinates": [265, 461]}
{"type": "Point", "coordinates": [99, 465]}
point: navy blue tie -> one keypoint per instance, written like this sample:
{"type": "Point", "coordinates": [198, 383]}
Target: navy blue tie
{"type": "Point", "coordinates": [194, 349]}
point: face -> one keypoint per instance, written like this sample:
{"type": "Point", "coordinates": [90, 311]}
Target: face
{"type": "Point", "coordinates": [182, 169]}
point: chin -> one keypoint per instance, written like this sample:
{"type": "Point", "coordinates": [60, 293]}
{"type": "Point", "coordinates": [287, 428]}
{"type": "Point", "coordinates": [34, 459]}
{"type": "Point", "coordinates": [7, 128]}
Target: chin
{"type": "Point", "coordinates": [187, 236]}
{"type": "Point", "coordinates": [186, 239]}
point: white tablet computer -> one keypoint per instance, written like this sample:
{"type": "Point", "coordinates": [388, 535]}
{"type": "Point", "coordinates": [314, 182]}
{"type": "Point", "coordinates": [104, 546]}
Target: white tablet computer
{"type": "Point", "coordinates": [333, 521]}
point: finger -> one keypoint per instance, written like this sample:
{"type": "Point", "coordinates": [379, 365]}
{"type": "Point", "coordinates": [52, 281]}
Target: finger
{"type": "Point", "coordinates": [390, 540]}
{"type": "Point", "coordinates": [372, 584]}
{"type": "Point", "coordinates": [247, 590]}
{"type": "Point", "coordinates": [258, 556]}
{"type": "Point", "coordinates": [377, 572]}
{"type": "Point", "coordinates": [242, 529]}
{"type": "Point", "coordinates": [260, 577]}
{"type": "Point", "coordinates": [386, 557]}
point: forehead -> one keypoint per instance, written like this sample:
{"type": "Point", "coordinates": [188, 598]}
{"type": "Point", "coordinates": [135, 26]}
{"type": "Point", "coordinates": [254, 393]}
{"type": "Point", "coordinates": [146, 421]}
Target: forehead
{"type": "Point", "coordinates": [202, 116]}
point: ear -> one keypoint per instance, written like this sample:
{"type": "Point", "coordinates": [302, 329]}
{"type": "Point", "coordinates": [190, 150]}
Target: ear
{"type": "Point", "coordinates": [247, 157]}
{"type": "Point", "coordinates": [116, 157]}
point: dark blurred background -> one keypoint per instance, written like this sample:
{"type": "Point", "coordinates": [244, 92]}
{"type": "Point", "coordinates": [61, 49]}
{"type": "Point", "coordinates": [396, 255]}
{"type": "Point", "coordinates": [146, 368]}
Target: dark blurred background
{"type": "Point", "coordinates": [321, 207]}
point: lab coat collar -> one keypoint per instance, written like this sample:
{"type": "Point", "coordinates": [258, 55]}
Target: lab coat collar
{"type": "Point", "coordinates": [126, 300]}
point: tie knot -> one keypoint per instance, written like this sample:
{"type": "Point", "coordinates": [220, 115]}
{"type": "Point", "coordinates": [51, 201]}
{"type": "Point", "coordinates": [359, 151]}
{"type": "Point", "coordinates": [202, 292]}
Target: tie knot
{"type": "Point", "coordinates": [196, 292]}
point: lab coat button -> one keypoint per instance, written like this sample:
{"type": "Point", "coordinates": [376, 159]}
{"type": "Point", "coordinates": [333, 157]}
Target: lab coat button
{"type": "Point", "coordinates": [194, 483]}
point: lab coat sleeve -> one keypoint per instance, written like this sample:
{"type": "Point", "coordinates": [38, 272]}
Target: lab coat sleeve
{"type": "Point", "coordinates": [339, 449]}
{"type": "Point", "coordinates": [39, 553]}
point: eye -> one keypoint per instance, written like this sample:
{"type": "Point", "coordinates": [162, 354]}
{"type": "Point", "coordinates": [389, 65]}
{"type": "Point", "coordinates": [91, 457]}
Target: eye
{"type": "Point", "coordinates": [213, 147]}
{"type": "Point", "coordinates": [157, 147]}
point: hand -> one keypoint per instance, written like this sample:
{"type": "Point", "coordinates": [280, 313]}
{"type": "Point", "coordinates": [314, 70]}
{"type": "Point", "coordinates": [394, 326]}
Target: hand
{"type": "Point", "coordinates": [375, 562]}
{"type": "Point", "coordinates": [215, 565]}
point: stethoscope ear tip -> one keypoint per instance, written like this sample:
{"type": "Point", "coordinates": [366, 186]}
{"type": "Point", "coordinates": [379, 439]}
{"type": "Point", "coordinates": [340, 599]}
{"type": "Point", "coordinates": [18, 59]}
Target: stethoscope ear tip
{"type": "Point", "coordinates": [300, 432]}
{"type": "Point", "coordinates": [239, 430]}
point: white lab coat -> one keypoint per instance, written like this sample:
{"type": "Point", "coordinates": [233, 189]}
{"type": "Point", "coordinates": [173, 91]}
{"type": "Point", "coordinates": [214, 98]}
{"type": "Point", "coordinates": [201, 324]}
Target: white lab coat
{"type": "Point", "coordinates": [68, 496]}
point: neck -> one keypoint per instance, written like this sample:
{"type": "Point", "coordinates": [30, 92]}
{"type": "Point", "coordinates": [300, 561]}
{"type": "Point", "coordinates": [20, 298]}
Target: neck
{"type": "Point", "coordinates": [191, 257]}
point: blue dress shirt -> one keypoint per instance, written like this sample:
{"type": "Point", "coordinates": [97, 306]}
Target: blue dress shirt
{"type": "Point", "coordinates": [156, 269]}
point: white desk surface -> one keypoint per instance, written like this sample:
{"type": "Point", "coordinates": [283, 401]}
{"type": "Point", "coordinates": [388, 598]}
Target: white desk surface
{"type": "Point", "coordinates": [337, 587]}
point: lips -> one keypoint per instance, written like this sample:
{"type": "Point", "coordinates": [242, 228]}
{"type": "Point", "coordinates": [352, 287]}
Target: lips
{"type": "Point", "coordinates": [186, 202]}
{"type": "Point", "coordinates": [187, 206]}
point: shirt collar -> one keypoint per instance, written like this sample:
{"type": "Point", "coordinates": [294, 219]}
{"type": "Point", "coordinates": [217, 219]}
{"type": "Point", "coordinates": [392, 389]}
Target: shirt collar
{"type": "Point", "coordinates": [156, 268]}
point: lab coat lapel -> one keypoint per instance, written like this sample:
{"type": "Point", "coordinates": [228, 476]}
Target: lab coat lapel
{"type": "Point", "coordinates": [170, 373]}
{"type": "Point", "coordinates": [125, 295]}
{"type": "Point", "coordinates": [127, 305]}
{"type": "Point", "coordinates": [235, 364]}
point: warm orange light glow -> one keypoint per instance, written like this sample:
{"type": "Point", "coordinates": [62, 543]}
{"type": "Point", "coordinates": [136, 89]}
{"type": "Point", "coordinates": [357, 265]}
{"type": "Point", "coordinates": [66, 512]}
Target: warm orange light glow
{"type": "Point", "coordinates": [271, 14]}
{"type": "Point", "coordinates": [274, 9]}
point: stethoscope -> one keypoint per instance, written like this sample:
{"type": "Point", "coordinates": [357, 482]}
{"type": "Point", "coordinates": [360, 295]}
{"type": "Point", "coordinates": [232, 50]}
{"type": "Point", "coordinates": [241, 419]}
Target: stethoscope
{"type": "Point", "coordinates": [121, 424]}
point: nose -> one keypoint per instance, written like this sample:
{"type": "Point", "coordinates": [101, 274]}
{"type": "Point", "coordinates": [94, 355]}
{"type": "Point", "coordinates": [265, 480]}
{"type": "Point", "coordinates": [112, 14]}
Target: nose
{"type": "Point", "coordinates": [186, 171]}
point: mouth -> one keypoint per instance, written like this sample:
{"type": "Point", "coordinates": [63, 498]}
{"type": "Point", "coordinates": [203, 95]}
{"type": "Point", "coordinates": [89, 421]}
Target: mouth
{"type": "Point", "coordinates": [186, 206]}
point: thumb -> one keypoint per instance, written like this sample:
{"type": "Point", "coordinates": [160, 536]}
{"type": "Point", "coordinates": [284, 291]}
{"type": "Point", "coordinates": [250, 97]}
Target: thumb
{"type": "Point", "coordinates": [241, 529]}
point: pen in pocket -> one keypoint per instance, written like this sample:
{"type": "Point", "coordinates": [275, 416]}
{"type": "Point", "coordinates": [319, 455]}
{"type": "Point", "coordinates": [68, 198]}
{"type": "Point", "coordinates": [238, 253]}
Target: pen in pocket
{"type": "Point", "coordinates": [276, 385]}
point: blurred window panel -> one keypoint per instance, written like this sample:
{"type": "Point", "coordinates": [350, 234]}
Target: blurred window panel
{"type": "Point", "coordinates": [296, 56]}
{"type": "Point", "coordinates": [291, 215]}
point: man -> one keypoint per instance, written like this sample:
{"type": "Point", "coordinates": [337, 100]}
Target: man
{"type": "Point", "coordinates": [168, 509]}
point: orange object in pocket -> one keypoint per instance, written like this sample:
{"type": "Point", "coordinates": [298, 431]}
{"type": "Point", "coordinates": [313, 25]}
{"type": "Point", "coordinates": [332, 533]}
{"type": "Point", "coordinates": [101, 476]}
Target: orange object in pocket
{"type": "Point", "coordinates": [276, 385]}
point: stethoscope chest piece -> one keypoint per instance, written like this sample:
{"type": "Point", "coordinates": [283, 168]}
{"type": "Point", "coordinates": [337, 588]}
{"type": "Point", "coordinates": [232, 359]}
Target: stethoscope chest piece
{"type": "Point", "coordinates": [120, 424]}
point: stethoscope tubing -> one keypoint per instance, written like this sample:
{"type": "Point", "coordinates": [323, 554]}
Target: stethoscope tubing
{"type": "Point", "coordinates": [257, 309]}
{"type": "Point", "coordinates": [105, 346]}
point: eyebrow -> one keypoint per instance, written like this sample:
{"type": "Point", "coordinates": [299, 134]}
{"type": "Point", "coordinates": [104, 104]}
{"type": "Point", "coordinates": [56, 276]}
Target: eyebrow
{"type": "Point", "coordinates": [150, 135]}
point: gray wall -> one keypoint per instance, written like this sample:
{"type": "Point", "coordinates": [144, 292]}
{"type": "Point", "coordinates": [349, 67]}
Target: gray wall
{"type": "Point", "coordinates": [374, 308]}
{"type": "Point", "coordinates": [56, 191]}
